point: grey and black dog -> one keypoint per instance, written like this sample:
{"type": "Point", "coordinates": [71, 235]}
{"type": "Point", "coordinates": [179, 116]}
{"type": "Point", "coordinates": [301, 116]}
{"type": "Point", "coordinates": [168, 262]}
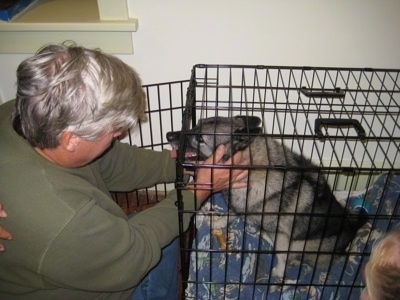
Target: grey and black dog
{"type": "Point", "coordinates": [287, 197]}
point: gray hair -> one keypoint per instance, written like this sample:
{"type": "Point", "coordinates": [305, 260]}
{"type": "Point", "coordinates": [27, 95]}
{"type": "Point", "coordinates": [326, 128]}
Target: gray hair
{"type": "Point", "coordinates": [70, 88]}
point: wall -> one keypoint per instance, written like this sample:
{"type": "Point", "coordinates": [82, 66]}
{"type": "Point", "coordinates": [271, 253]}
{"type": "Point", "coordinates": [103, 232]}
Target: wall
{"type": "Point", "coordinates": [176, 34]}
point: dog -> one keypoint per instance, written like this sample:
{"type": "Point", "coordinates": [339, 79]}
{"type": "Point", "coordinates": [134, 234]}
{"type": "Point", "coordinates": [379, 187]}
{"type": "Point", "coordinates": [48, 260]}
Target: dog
{"type": "Point", "coordinates": [287, 197]}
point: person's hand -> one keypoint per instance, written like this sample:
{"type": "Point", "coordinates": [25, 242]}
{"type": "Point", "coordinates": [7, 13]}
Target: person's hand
{"type": "Point", "coordinates": [217, 177]}
{"type": "Point", "coordinates": [4, 234]}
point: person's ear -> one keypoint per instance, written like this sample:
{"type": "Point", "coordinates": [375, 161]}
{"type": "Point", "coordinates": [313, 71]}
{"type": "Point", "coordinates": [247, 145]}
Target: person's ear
{"type": "Point", "coordinates": [69, 141]}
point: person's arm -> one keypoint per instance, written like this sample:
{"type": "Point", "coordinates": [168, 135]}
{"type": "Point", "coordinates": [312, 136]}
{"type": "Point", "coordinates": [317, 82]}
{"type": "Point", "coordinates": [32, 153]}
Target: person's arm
{"type": "Point", "coordinates": [125, 167]}
{"type": "Point", "coordinates": [4, 234]}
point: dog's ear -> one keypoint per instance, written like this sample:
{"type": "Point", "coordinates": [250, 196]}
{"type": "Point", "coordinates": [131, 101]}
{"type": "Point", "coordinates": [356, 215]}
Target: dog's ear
{"type": "Point", "coordinates": [246, 131]}
{"type": "Point", "coordinates": [242, 138]}
{"type": "Point", "coordinates": [247, 121]}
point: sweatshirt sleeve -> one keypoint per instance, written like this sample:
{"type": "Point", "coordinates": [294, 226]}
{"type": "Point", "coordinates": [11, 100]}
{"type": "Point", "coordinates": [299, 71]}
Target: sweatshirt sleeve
{"type": "Point", "coordinates": [125, 167]}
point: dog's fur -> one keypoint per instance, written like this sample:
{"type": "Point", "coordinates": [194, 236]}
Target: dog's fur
{"type": "Point", "coordinates": [287, 197]}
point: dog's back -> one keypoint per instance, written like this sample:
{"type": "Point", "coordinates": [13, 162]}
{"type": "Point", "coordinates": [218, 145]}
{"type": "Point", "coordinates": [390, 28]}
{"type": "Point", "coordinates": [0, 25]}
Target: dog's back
{"type": "Point", "coordinates": [285, 183]}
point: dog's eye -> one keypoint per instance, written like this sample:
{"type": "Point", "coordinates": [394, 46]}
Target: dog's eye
{"type": "Point", "coordinates": [199, 138]}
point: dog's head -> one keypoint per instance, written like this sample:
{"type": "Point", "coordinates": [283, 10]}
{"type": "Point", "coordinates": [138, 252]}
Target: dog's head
{"type": "Point", "coordinates": [235, 133]}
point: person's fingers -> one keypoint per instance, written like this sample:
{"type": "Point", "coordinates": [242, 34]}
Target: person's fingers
{"type": "Point", "coordinates": [236, 158]}
{"type": "Point", "coordinates": [239, 185]}
{"type": "Point", "coordinates": [3, 214]}
{"type": "Point", "coordinates": [218, 154]}
{"type": "Point", "coordinates": [4, 234]}
{"type": "Point", "coordinates": [241, 175]}
{"type": "Point", "coordinates": [238, 174]}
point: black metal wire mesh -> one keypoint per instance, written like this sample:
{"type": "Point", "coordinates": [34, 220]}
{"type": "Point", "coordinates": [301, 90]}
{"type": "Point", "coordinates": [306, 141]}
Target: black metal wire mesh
{"type": "Point", "coordinates": [345, 120]}
{"type": "Point", "coordinates": [165, 105]}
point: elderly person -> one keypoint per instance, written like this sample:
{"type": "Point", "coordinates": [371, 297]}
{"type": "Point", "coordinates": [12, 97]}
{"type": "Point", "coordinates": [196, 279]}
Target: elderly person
{"type": "Point", "coordinates": [60, 158]}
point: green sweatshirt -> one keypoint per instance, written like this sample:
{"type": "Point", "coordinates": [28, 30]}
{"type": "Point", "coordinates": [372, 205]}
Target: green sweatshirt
{"type": "Point", "coordinates": [71, 240]}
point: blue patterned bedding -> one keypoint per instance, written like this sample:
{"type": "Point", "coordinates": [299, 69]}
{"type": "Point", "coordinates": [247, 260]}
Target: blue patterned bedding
{"type": "Point", "coordinates": [243, 271]}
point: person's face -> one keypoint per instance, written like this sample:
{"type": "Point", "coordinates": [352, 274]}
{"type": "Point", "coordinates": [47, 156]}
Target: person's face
{"type": "Point", "coordinates": [87, 151]}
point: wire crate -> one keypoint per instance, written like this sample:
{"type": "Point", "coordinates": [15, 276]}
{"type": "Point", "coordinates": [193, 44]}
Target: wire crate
{"type": "Point", "coordinates": [346, 121]}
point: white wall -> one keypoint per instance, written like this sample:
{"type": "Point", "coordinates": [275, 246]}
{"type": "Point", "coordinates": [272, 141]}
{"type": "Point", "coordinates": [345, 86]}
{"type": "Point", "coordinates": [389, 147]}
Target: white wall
{"type": "Point", "coordinates": [176, 34]}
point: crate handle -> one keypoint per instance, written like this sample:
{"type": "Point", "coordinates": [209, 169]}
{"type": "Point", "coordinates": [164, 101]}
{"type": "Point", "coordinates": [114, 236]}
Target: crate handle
{"type": "Point", "coordinates": [319, 122]}
{"type": "Point", "coordinates": [322, 93]}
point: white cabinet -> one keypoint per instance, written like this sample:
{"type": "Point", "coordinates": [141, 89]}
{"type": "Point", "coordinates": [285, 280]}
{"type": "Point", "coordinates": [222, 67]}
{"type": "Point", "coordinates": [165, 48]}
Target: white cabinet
{"type": "Point", "coordinates": [101, 24]}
